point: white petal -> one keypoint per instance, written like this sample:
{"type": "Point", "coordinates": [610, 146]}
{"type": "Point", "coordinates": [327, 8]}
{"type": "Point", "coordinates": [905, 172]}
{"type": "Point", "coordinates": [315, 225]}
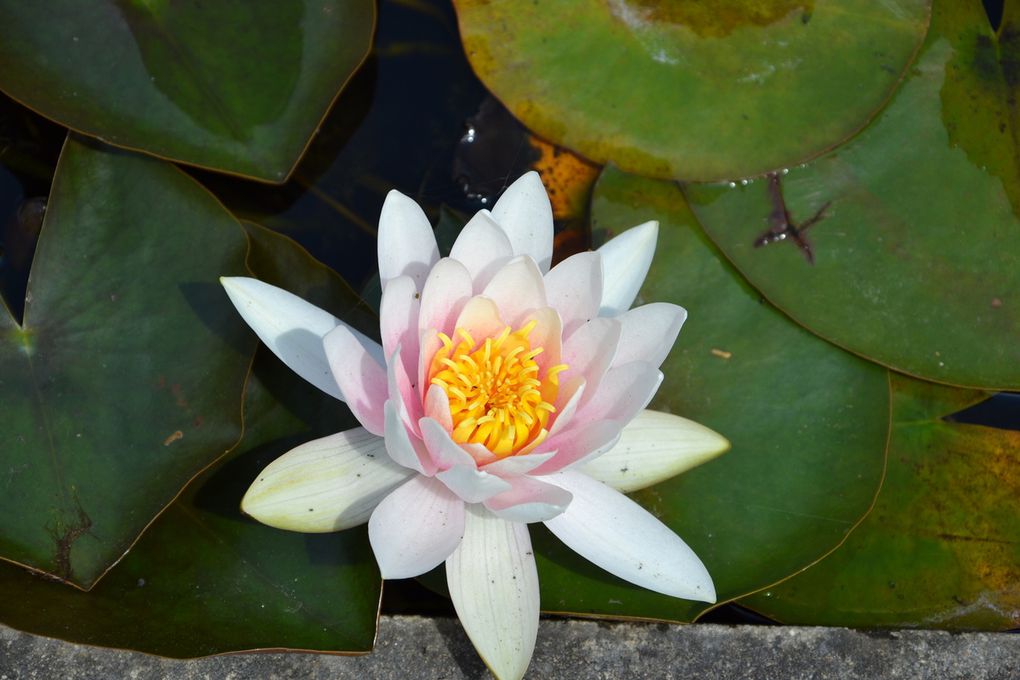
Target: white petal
{"type": "Point", "coordinates": [648, 332]}
{"type": "Point", "coordinates": [625, 263]}
{"type": "Point", "coordinates": [624, 391]}
{"type": "Point", "coordinates": [327, 484]}
{"type": "Point", "coordinates": [589, 352]}
{"type": "Point", "coordinates": [615, 533]}
{"type": "Point", "coordinates": [512, 466]}
{"type": "Point", "coordinates": [415, 528]}
{"type": "Point", "coordinates": [399, 444]}
{"type": "Point", "coordinates": [525, 214]}
{"type": "Point", "coordinates": [292, 328]}
{"type": "Point", "coordinates": [654, 447]}
{"type": "Point", "coordinates": [494, 586]}
{"type": "Point", "coordinates": [574, 289]}
{"type": "Point", "coordinates": [517, 289]}
{"type": "Point", "coordinates": [362, 381]}
{"type": "Point", "coordinates": [407, 244]}
{"type": "Point", "coordinates": [530, 500]}
{"type": "Point", "coordinates": [398, 321]}
{"type": "Point", "coordinates": [446, 290]}
{"type": "Point", "coordinates": [482, 247]}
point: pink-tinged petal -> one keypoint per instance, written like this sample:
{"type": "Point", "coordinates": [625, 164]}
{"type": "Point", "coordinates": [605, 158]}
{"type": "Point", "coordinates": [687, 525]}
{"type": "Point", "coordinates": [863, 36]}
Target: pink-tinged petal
{"type": "Point", "coordinates": [404, 449]}
{"type": "Point", "coordinates": [398, 320]}
{"type": "Point", "coordinates": [323, 485]}
{"type": "Point", "coordinates": [612, 531]}
{"type": "Point", "coordinates": [494, 587]}
{"type": "Point", "coordinates": [481, 318]}
{"type": "Point", "coordinates": [567, 406]}
{"type": "Point", "coordinates": [415, 528]}
{"type": "Point", "coordinates": [446, 290]}
{"type": "Point", "coordinates": [400, 388]}
{"type": "Point", "coordinates": [517, 289]}
{"type": "Point", "coordinates": [457, 469]}
{"type": "Point", "coordinates": [513, 466]}
{"type": "Point", "coordinates": [654, 447]}
{"type": "Point", "coordinates": [525, 214]}
{"type": "Point", "coordinates": [547, 334]}
{"type": "Point", "coordinates": [430, 344]}
{"type": "Point", "coordinates": [625, 263]}
{"type": "Point", "coordinates": [574, 289]}
{"type": "Point", "coordinates": [482, 247]}
{"type": "Point", "coordinates": [361, 379]}
{"type": "Point", "coordinates": [648, 332]}
{"type": "Point", "coordinates": [577, 445]}
{"type": "Point", "coordinates": [437, 407]}
{"type": "Point", "coordinates": [407, 244]}
{"type": "Point", "coordinates": [590, 350]}
{"type": "Point", "coordinates": [624, 391]}
{"type": "Point", "coordinates": [530, 500]}
{"type": "Point", "coordinates": [470, 484]}
{"type": "Point", "coordinates": [292, 329]}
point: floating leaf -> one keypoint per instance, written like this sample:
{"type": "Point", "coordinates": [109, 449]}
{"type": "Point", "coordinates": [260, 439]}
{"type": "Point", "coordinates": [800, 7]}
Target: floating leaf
{"type": "Point", "coordinates": [206, 580]}
{"type": "Point", "coordinates": [230, 85]}
{"type": "Point", "coordinates": [941, 549]}
{"type": "Point", "coordinates": [808, 423]}
{"type": "Point", "coordinates": [917, 249]}
{"type": "Point", "coordinates": [689, 89]}
{"type": "Point", "coordinates": [125, 378]}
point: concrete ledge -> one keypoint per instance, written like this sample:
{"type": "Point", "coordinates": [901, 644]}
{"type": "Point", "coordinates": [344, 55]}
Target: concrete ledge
{"type": "Point", "coordinates": [413, 647]}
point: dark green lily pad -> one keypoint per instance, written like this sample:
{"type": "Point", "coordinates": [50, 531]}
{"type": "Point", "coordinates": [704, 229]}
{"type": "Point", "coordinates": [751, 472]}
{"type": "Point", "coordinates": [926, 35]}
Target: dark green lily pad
{"type": "Point", "coordinates": [125, 378]}
{"type": "Point", "coordinates": [917, 256]}
{"type": "Point", "coordinates": [206, 580]}
{"type": "Point", "coordinates": [693, 90]}
{"type": "Point", "coordinates": [941, 549]}
{"type": "Point", "coordinates": [808, 423]}
{"type": "Point", "coordinates": [230, 85]}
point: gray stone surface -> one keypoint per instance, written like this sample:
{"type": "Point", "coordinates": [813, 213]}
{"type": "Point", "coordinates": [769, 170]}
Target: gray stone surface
{"type": "Point", "coordinates": [412, 647]}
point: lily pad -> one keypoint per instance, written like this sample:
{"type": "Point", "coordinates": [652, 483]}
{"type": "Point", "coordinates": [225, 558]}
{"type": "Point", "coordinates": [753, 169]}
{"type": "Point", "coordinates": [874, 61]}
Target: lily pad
{"type": "Point", "coordinates": [688, 89]}
{"type": "Point", "coordinates": [917, 250]}
{"type": "Point", "coordinates": [941, 549]}
{"type": "Point", "coordinates": [808, 423]}
{"type": "Point", "coordinates": [125, 378]}
{"type": "Point", "coordinates": [231, 85]}
{"type": "Point", "coordinates": [204, 579]}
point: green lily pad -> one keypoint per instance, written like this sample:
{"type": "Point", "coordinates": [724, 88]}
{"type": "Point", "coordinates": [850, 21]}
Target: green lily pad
{"type": "Point", "coordinates": [917, 256]}
{"type": "Point", "coordinates": [230, 85]}
{"type": "Point", "coordinates": [688, 89]}
{"type": "Point", "coordinates": [808, 423]}
{"type": "Point", "coordinates": [204, 579]}
{"type": "Point", "coordinates": [941, 549]}
{"type": "Point", "coordinates": [125, 378]}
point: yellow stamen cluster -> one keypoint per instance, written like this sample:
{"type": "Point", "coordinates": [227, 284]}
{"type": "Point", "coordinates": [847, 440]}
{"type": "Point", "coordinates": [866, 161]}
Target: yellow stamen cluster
{"type": "Point", "coordinates": [497, 397]}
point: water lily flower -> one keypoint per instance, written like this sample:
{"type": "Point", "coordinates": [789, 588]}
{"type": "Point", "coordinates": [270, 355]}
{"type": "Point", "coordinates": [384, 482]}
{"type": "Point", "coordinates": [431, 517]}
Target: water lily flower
{"type": "Point", "coordinates": [504, 392]}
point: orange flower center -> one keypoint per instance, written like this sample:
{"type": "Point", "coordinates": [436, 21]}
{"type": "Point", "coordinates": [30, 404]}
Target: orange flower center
{"type": "Point", "coordinates": [497, 396]}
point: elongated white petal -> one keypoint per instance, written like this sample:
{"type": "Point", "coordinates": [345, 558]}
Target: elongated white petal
{"type": "Point", "coordinates": [648, 332]}
{"type": "Point", "coordinates": [327, 484]}
{"type": "Point", "coordinates": [483, 248]}
{"type": "Point", "coordinates": [400, 446]}
{"type": "Point", "coordinates": [625, 263]}
{"type": "Point", "coordinates": [590, 350]}
{"type": "Point", "coordinates": [624, 391]}
{"type": "Point", "coordinates": [446, 290]}
{"type": "Point", "coordinates": [494, 587]}
{"type": "Point", "coordinates": [530, 500]}
{"type": "Point", "coordinates": [361, 379]}
{"type": "Point", "coordinates": [398, 321]}
{"type": "Point", "coordinates": [517, 289]}
{"type": "Point", "coordinates": [615, 533]}
{"type": "Point", "coordinates": [407, 244]}
{"type": "Point", "coordinates": [292, 328]}
{"type": "Point", "coordinates": [525, 214]}
{"type": "Point", "coordinates": [654, 447]}
{"type": "Point", "coordinates": [576, 445]}
{"type": "Point", "coordinates": [574, 289]}
{"type": "Point", "coordinates": [415, 528]}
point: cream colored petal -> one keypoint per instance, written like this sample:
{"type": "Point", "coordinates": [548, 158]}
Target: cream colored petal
{"type": "Point", "coordinates": [654, 447]}
{"type": "Point", "coordinates": [323, 485]}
